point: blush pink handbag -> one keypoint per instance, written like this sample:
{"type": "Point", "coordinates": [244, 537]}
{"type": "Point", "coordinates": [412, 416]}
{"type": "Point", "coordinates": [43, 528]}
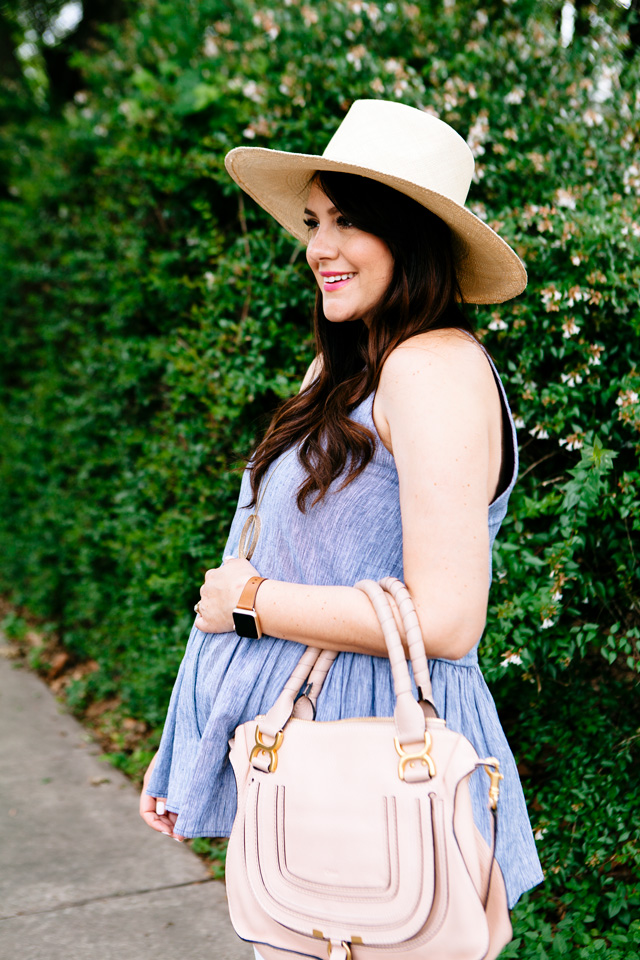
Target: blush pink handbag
{"type": "Point", "coordinates": [355, 838]}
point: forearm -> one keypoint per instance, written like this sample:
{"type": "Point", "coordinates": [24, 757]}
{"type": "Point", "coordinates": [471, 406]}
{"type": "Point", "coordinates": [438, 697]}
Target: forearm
{"type": "Point", "coordinates": [342, 618]}
{"type": "Point", "coordinates": [333, 618]}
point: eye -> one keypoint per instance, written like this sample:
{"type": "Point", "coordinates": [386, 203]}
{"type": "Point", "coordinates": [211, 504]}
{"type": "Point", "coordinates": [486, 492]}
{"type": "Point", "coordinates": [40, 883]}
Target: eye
{"type": "Point", "coordinates": [343, 221]}
{"type": "Point", "coordinates": [311, 223]}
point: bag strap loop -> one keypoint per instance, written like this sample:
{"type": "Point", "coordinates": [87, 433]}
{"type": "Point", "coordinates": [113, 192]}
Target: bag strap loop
{"type": "Point", "coordinates": [275, 719]}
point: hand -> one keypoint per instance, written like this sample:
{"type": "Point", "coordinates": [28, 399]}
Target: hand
{"type": "Point", "coordinates": [220, 593]}
{"type": "Point", "coordinates": [153, 809]}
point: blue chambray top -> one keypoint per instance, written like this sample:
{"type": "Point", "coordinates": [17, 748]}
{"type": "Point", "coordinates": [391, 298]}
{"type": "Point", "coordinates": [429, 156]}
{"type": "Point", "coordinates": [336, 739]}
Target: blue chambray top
{"type": "Point", "coordinates": [225, 680]}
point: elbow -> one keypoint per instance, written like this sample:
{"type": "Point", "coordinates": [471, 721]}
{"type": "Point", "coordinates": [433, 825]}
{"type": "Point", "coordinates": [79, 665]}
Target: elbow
{"type": "Point", "coordinates": [452, 636]}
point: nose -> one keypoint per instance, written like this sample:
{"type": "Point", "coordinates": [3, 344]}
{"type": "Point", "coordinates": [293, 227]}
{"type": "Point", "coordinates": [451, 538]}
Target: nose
{"type": "Point", "coordinates": [322, 244]}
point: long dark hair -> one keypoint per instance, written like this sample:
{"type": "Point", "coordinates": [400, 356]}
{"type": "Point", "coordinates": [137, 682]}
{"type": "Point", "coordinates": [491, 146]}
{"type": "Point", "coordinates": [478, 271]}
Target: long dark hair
{"type": "Point", "coordinates": [423, 295]}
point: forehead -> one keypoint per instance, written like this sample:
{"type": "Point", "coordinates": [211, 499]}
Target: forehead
{"type": "Point", "coordinates": [318, 200]}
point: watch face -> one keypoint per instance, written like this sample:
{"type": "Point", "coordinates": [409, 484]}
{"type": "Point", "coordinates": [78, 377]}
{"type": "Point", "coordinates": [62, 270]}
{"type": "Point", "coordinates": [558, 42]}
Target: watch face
{"type": "Point", "coordinates": [246, 624]}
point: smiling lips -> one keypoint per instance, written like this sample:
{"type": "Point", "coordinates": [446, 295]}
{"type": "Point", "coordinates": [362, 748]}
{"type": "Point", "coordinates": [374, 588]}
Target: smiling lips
{"type": "Point", "coordinates": [334, 281]}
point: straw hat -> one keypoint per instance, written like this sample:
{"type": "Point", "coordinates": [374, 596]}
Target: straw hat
{"type": "Point", "coordinates": [411, 151]}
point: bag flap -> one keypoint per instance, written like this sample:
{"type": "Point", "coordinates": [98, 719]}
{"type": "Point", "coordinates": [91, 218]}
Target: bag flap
{"type": "Point", "coordinates": [336, 845]}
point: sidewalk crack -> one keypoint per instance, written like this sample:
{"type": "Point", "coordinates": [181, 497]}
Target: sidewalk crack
{"type": "Point", "coordinates": [111, 896]}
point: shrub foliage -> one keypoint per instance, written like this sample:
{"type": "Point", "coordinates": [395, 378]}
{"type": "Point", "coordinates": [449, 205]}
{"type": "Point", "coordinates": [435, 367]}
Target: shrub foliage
{"type": "Point", "coordinates": [152, 319]}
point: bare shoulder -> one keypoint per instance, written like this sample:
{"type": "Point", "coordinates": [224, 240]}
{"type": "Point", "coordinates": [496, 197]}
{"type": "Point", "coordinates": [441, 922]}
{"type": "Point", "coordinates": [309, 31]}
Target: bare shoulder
{"type": "Point", "coordinates": [312, 372]}
{"type": "Point", "coordinates": [438, 357]}
{"type": "Point", "coordinates": [436, 387]}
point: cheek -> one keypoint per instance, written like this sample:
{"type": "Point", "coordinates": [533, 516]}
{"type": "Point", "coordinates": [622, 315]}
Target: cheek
{"type": "Point", "coordinates": [381, 261]}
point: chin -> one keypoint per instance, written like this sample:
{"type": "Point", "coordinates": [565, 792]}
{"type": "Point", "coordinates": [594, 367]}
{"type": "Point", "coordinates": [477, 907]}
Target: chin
{"type": "Point", "coordinates": [334, 315]}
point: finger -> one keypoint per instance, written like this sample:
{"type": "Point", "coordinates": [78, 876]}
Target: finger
{"type": "Point", "coordinates": [160, 824]}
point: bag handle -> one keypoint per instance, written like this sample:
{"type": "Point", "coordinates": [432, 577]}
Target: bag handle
{"type": "Point", "coordinates": [304, 707]}
{"type": "Point", "coordinates": [275, 719]}
{"type": "Point", "coordinates": [415, 642]}
{"type": "Point", "coordinates": [409, 716]}
{"type": "Point", "coordinates": [314, 665]}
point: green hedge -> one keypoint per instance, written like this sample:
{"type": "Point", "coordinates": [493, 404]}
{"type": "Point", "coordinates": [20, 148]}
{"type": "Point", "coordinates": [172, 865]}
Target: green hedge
{"type": "Point", "coordinates": [152, 319]}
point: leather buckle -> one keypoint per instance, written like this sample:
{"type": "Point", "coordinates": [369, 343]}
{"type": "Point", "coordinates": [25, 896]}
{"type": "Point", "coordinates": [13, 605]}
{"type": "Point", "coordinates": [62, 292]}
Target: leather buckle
{"type": "Point", "coordinates": [262, 749]}
{"type": "Point", "coordinates": [423, 756]}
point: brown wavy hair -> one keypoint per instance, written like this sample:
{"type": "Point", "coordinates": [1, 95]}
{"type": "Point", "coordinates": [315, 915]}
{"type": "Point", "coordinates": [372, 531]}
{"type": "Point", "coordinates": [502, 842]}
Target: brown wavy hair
{"type": "Point", "coordinates": [423, 295]}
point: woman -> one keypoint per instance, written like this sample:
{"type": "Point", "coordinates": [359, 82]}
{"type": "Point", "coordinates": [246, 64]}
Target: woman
{"type": "Point", "coordinates": [396, 458]}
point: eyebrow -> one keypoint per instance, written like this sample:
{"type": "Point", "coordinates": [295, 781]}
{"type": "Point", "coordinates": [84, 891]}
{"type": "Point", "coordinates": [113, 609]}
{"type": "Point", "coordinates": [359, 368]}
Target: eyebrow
{"type": "Point", "coordinates": [312, 214]}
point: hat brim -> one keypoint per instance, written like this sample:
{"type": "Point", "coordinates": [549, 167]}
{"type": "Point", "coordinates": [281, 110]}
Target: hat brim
{"type": "Point", "coordinates": [488, 270]}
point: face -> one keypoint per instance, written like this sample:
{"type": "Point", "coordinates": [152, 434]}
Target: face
{"type": "Point", "coordinates": [352, 268]}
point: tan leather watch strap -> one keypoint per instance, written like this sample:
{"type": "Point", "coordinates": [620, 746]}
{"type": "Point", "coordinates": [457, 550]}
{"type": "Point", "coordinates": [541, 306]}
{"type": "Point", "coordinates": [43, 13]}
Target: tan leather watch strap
{"type": "Point", "coordinates": [248, 596]}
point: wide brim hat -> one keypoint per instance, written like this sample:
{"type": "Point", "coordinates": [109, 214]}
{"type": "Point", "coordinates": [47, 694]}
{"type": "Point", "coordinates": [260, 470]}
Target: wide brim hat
{"type": "Point", "coordinates": [409, 150]}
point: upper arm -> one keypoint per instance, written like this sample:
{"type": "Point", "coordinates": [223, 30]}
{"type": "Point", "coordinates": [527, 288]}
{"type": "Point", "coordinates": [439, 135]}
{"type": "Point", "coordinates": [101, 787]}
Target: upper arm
{"type": "Point", "coordinates": [312, 372]}
{"type": "Point", "coordinates": [440, 403]}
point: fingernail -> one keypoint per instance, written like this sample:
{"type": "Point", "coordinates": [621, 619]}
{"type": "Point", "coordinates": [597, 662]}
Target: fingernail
{"type": "Point", "coordinates": [165, 833]}
{"type": "Point", "coordinates": [178, 839]}
{"type": "Point", "coordinates": [160, 807]}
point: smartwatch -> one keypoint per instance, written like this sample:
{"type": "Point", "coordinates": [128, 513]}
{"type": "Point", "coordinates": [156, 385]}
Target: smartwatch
{"type": "Point", "coordinates": [245, 616]}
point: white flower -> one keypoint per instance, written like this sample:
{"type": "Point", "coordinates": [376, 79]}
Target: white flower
{"type": "Point", "coordinates": [515, 96]}
{"type": "Point", "coordinates": [209, 279]}
{"type": "Point", "coordinates": [210, 48]}
{"type": "Point", "coordinates": [573, 442]}
{"type": "Point", "coordinates": [511, 658]}
{"type": "Point", "coordinates": [498, 324]}
{"type": "Point", "coordinates": [519, 422]}
{"type": "Point", "coordinates": [592, 118]}
{"type": "Point", "coordinates": [631, 178]}
{"type": "Point", "coordinates": [565, 198]}
{"type": "Point", "coordinates": [547, 623]}
{"type": "Point", "coordinates": [478, 134]}
{"type": "Point", "coordinates": [539, 834]}
{"type": "Point", "coordinates": [556, 595]}
{"type": "Point", "coordinates": [570, 328]}
{"type": "Point", "coordinates": [249, 133]}
{"type": "Point", "coordinates": [540, 432]}
{"type": "Point", "coordinates": [575, 260]}
{"type": "Point", "coordinates": [571, 378]}
{"type": "Point", "coordinates": [355, 56]}
{"type": "Point", "coordinates": [252, 91]}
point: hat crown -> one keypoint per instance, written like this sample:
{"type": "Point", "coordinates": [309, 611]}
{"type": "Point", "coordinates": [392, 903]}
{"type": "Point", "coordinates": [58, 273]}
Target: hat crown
{"type": "Point", "coordinates": [401, 141]}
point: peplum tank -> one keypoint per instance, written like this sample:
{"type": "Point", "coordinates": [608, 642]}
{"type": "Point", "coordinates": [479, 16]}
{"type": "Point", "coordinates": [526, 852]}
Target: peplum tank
{"type": "Point", "coordinates": [225, 680]}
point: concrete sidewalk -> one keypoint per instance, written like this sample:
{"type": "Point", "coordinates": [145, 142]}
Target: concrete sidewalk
{"type": "Point", "coordinates": [81, 876]}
